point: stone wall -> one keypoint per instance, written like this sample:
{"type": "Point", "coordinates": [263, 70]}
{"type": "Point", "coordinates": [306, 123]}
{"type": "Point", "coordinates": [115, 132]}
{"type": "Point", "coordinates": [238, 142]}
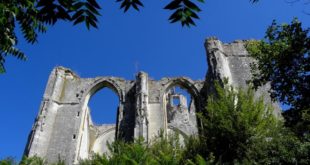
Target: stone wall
{"type": "Point", "coordinates": [232, 62]}
{"type": "Point", "coordinates": [64, 129]}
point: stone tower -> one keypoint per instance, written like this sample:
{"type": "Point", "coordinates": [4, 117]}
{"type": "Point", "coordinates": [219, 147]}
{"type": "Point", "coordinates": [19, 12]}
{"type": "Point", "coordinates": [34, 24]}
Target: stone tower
{"type": "Point", "coordinates": [64, 129]}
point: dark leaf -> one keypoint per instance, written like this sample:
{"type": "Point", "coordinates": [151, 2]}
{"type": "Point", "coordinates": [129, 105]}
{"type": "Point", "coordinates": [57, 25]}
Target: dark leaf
{"type": "Point", "coordinates": [93, 23]}
{"type": "Point", "coordinates": [79, 20]}
{"type": "Point", "coordinates": [174, 4]}
{"type": "Point", "coordinates": [191, 5]}
{"type": "Point", "coordinates": [78, 5]}
{"type": "Point", "coordinates": [94, 3]}
{"type": "Point", "coordinates": [92, 9]}
{"type": "Point", "coordinates": [77, 14]}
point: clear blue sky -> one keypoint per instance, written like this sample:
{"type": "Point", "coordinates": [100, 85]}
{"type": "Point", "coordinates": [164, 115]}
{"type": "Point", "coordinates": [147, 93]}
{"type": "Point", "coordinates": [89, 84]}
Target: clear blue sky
{"type": "Point", "coordinates": [123, 44]}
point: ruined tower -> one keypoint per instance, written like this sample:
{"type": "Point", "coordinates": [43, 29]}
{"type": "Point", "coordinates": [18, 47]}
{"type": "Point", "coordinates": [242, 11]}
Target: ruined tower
{"type": "Point", "coordinates": [64, 128]}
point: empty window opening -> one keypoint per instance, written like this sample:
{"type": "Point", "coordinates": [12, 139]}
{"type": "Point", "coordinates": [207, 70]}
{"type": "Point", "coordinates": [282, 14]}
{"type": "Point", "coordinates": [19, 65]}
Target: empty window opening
{"type": "Point", "coordinates": [103, 107]}
{"type": "Point", "coordinates": [180, 110]}
{"type": "Point", "coordinates": [179, 105]}
{"type": "Point", "coordinates": [176, 101]}
{"type": "Point", "coordinates": [177, 92]}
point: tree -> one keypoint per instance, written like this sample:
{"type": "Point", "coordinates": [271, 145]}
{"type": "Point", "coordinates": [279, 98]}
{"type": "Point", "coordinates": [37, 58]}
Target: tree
{"type": "Point", "coordinates": [238, 128]}
{"type": "Point", "coordinates": [241, 129]}
{"type": "Point", "coordinates": [282, 59]}
{"type": "Point", "coordinates": [163, 150]}
{"type": "Point", "coordinates": [32, 161]}
{"type": "Point", "coordinates": [234, 123]}
{"type": "Point", "coordinates": [7, 161]}
{"type": "Point", "coordinates": [34, 16]}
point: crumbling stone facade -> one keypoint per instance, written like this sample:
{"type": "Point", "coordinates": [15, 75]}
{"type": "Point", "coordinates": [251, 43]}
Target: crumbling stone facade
{"type": "Point", "coordinates": [64, 129]}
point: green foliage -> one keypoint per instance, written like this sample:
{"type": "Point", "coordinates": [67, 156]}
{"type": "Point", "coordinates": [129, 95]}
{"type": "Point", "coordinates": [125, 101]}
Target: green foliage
{"type": "Point", "coordinates": [8, 161]}
{"type": "Point", "coordinates": [26, 161]}
{"type": "Point", "coordinates": [95, 160]}
{"type": "Point", "coordinates": [167, 150]}
{"type": "Point", "coordinates": [283, 148]}
{"type": "Point", "coordinates": [184, 11]}
{"type": "Point", "coordinates": [129, 153]}
{"type": "Point", "coordinates": [33, 16]}
{"type": "Point", "coordinates": [126, 4]}
{"type": "Point", "coordinates": [234, 122]}
{"type": "Point", "coordinates": [199, 160]}
{"type": "Point", "coordinates": [160, 151]}
{"type": "Point", "coordinates": [32, 161]}
{"type": "Point", "coordinates": [283, 60]}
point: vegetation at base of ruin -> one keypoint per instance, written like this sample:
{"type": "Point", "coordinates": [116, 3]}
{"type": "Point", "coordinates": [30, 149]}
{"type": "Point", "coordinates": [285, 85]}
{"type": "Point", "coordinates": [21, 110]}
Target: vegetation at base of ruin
{"type": "Point", "coordinates": [160, 151]}
{"type": "Point", "coordinates": [237, 129]}
{"type": "Point", "coordinates": [241, 129]}
{"type": "Point", "coordinates": [283, 59]}
{"type": "Point", "coordinates": [29, 161]}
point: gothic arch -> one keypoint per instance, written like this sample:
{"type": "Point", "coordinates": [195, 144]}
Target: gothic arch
{"type": "Point", "coordinates": [112, 83]}
{"type": "Point", "coordinates": [186, 84]}
{"type": "Point", "coordinates": [116, 85]}
{"type": "Point", "coordinates": [89, 88]}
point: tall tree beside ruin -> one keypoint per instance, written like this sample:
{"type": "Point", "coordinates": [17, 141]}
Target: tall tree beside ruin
{"type": "Point", "coordinates": [241, 129]}
{"type": "Point", "coordinates": [283, 59]}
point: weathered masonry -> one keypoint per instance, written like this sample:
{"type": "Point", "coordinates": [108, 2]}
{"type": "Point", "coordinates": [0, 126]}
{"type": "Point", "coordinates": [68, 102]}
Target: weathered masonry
{"type": "Point", "coordinates": [64, 128]}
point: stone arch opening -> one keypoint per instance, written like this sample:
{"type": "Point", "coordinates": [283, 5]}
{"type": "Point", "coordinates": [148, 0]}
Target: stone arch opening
{"type": "Point", "coordinates": [103, 106]}
{"type": "Point", "coordinates": [181, 116]}
{"type": "Point", "coordinates": [103, 83]}
{"type": "Point", "coordinates": [109, 89]}
{"type": "Point", "coordinates": [178, 102]}
{"type": "Point", "coordinates": [96, 133]}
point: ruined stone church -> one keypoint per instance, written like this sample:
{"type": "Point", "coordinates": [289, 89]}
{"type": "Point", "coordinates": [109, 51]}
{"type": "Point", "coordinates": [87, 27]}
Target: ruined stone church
{"type": "Point", "coordinates": [64, 128]}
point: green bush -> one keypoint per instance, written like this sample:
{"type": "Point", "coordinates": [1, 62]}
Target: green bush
{"type": "Point", "coordinates": [241, 129]}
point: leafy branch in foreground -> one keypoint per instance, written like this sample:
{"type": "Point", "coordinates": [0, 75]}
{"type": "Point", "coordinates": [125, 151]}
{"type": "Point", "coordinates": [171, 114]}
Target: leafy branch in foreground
{"type": "Point", "coordinates": [184, 11]}
{"type": "Point", "coordinates": [33, 17]}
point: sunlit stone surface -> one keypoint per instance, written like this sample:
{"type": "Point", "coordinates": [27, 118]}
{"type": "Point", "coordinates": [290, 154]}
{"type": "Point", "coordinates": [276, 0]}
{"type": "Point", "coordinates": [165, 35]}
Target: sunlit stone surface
{"type": "Point", "coordinates": [64, 129]}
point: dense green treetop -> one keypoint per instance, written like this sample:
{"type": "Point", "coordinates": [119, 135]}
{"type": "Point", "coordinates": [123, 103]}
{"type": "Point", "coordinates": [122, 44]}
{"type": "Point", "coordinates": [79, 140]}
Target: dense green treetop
{"type": "Point", "coordinates": [283, 59]}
